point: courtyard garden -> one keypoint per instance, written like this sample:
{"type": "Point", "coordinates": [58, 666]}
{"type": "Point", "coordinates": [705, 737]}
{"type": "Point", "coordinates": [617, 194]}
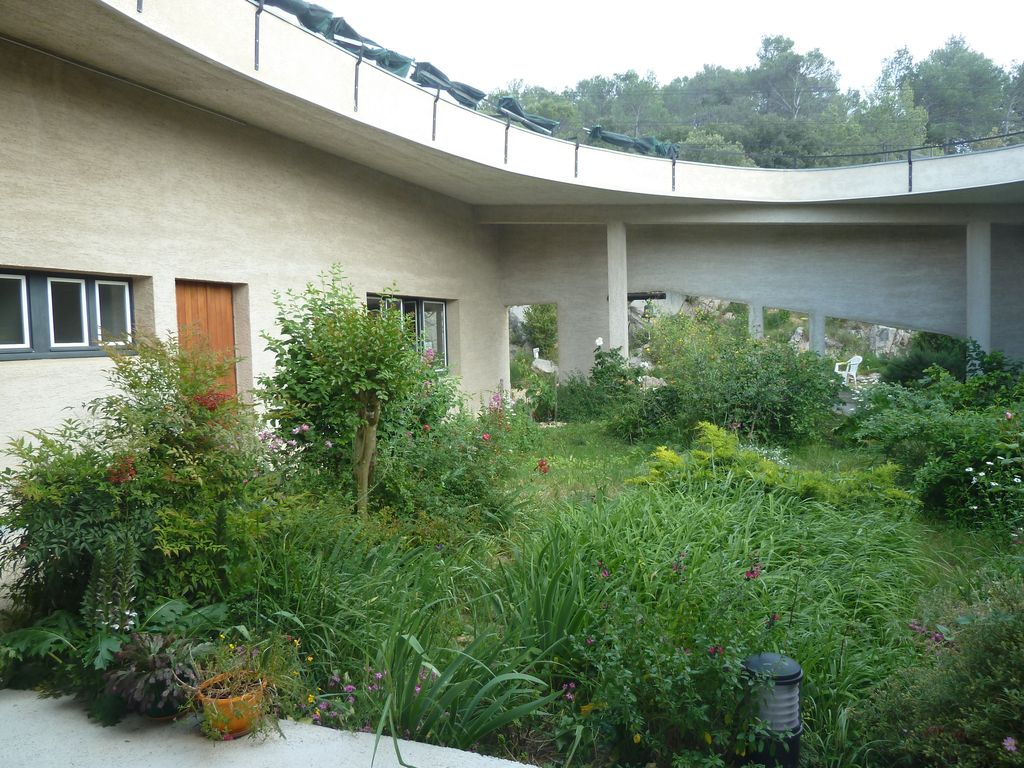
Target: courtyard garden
{"type": "Point", "coordinates": [364, 550]}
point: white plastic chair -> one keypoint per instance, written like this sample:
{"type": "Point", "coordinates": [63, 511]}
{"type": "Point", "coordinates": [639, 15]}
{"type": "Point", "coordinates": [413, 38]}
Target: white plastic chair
{"type": "Point", "coordinates": [848, 369]}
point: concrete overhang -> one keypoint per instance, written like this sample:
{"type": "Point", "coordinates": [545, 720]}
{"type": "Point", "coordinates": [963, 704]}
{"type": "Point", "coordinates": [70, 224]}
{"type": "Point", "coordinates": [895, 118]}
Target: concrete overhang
{"type": "Point", "coordinates": [204, 53]}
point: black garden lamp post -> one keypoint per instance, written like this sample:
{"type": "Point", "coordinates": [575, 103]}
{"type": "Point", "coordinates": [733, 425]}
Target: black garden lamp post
{"type": "Point", "coordinates": [778, 706]}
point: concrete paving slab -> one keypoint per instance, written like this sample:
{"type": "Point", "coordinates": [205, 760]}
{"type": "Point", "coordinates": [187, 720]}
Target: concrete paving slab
{"type": "Point", "coordinates": [55, 733]}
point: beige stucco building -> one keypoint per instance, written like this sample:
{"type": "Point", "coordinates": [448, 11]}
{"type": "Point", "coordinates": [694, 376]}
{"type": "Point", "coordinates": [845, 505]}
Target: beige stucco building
{"type": "Point", "coordinates": [156, 159]}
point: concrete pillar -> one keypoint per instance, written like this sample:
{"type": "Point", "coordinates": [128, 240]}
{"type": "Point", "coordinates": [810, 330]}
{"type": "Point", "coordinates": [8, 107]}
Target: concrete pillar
{"type": "Point", "coordinates": [618, 304]}
{"type": "Point", "coordinates": [979, 283]}
{"type": "Point", "coordinates": [755, 320]}
{"type": "Point", "coordinates": [816, 340]}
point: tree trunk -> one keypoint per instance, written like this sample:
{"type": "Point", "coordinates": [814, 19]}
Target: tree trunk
{"type": "Point", "coordinates": [364, 449]}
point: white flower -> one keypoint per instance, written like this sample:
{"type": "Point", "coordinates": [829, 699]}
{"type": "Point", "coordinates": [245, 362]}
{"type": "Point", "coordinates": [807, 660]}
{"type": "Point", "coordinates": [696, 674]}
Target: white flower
{"type": "Point", "coordinates": [989, 463]}
{"type": "Point", "coordinates": [1016, 479]}
{"type": "Point", "coordinates": [969, 469]}
{"type": "Point", "coordinates": [599, 341]}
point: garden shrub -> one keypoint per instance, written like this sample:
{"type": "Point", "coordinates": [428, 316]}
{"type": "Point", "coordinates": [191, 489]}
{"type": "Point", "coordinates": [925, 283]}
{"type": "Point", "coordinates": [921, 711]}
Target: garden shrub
{"type": "Point", "coordinates": [717, 456]}
{"type": "Point", "coordinates": [963, 703]}
{"type": "Point", "coordinates": [761, 387]}
{"type": "Point", "coordinates": [924, 351]}
{"type": "Point", "coordinates": [339, 366]}
{"type": "Point", "coordinates": [168, 462]}
{"type": "Point", "coordinates": [957, 442]}
{"type": "Point", "coordinates": [612, 381]}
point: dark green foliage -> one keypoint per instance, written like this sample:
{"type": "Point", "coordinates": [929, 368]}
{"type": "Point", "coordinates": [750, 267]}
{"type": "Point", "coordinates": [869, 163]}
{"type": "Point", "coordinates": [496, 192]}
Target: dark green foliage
{"type": "Point", "coordinates": [926, 350]}
{"type": "Point", "coordinates": [958, 443]}
{"type": "Point", "coordinates": [152, 673]}
{"type": "Point", "coordinates": [600, 395]}
{"type": "Point", "coordinates": [759, 387]}
{"type": "Point", "coordinates": [963, 703]}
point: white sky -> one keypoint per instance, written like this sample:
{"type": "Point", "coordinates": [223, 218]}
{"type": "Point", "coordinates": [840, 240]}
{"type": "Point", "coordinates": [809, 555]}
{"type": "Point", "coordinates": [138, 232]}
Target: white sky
{"type": "Point", "coordinates": [555, 43]}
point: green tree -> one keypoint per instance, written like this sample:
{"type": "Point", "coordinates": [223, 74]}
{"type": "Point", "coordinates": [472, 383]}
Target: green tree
{"type": "Point", "coordinates": [705, 146]}
{"type": "Point", "coordinates": [338, 366]}
{"type": "Point", "coordinates": [540, 324]}
{"type": "Point", "coordinates": [963, 91]}
{"type": "Point", "coordinates": [889, 117]}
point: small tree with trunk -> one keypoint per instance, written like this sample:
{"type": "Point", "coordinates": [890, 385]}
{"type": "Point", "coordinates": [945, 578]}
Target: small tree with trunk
{"type": "Point", "coordinates": [338, 367]}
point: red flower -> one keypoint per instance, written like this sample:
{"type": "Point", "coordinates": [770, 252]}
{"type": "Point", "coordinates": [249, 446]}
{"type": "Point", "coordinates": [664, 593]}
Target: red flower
{"type": "Point", "coordinates": [715, 650]}
{"type": "Point", "coordinates": [211, 400]}
{"type": "Point", "coordinates": [542, 466]}
{"type": "Point", "coordinates": [486, 436]}
{"type": "Point", "coordinates": [753, 573]}
{"type": "Point", "coordinates": [122, 471]}
{"type": "Point", "coordinates": [426, 427]}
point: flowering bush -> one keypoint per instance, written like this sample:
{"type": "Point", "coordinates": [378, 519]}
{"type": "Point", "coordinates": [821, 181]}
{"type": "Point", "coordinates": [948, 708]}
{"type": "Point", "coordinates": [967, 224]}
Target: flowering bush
{"type": "Point", "coordinates": [963, 704]}
{"type": "Point", "coordinates": [166, 461]}
{"type": "Point", "coordinates": [958, 443]}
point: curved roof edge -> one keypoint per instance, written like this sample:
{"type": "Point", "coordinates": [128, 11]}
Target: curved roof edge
{"type": "Point", "coordinates": [296, 84]}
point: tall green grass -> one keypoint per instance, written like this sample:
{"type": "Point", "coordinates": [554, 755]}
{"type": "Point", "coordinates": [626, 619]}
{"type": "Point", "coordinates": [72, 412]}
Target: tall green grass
{"type": "Point", "coordinates": [842, 585]}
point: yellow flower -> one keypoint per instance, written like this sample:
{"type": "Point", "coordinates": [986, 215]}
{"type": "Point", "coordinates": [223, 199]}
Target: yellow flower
{"type": "Point", "coordinates": [309, 658]}
{"type": "Point", "coordinates": [310, 699]}
{"type": "Point", "coordinates": [231, 646]}
{"type": "Point", "coordinates": [222, 637]}
{"type": "Point", "coordinates": [294, 673]}
{"type": "Point", "coordinates": [586, 709]}
{"type": "Point", "coordinates": [636, 738]}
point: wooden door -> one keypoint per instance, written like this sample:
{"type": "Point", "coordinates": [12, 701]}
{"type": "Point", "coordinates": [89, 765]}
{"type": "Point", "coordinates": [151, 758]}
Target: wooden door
{"type": "Point", "coordinates": [206, 316]}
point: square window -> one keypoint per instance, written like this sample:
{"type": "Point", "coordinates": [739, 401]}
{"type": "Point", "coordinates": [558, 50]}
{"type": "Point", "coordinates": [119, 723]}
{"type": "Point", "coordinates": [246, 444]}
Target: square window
{"type": "Point", "coordinates": [113, 310]}
{"type": "Point", "coordinates": [68, 322]}
{"type": "Point", "coordinates": [13, 312]}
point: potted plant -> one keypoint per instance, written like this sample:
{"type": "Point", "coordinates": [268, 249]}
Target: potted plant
{"type": "Point", "coordinates": [241, 686]}
{"type": "Point", "coordinates": [153, 673]}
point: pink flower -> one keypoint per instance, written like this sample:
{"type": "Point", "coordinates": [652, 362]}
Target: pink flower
{"type": "Point", "coordinates": [486, 436]}
{"type": "Point", "coordinates": [715, 650]}
{"type": "Point", "coordinates": [1010, 744]}
{"type": "Point", "coordinates": [1009, 417]}
{"type": "Point", "coordinates": [753, 573]}
{"type": "Point", "coordinates": [426, 427]}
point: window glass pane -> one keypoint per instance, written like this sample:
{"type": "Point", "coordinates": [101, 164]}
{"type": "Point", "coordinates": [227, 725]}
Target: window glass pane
{"type": "Point", "coordinates": [67, 305]}
{"type": "Point", "coordinates": [112, 300]}
{"type": "Point", "coordinates": [12, 312]}
{"type": "Point", "coordinates": [433, 329]}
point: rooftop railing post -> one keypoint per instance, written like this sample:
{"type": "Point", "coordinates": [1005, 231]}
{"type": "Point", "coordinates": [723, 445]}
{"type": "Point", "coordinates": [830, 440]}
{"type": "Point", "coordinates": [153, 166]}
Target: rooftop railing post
{"type": "Point", "coordinates": [433, 127]}
{"type": "Point", "coordinates": [508, 124]}
{"type": "Point", "coordinates": [910, 170]}
{"type": "Point", "coordinates": [138, 7]}
{"type": "Point", "coordinates": [576, 161]}
{"type": "Point", "coordinates": [673, 174]}
{"type": "Point", "coordinates": [355, 91]}
{"type": "Point", "coordinates": [256, 43]}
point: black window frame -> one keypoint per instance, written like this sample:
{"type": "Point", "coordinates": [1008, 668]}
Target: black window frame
{"type": "Point", "coordinates": [415, 304]}
{"type": "Point", "coordinates": [40, 346]}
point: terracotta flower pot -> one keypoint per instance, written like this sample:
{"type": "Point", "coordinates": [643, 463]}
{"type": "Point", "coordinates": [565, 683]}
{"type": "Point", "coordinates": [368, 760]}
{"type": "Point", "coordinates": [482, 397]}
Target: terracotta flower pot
{"type": "Point", "coordinates": [231, 705]}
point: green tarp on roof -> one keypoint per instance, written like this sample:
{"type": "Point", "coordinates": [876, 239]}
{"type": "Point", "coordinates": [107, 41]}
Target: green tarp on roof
{"type": "Point", "coordinates": [645, 145]}
{"type": "Point", "coordinates": [509, 107]}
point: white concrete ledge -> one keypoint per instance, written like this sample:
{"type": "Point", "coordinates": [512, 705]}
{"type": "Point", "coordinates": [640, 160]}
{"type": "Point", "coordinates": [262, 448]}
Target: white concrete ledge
{"type": "Point", "coordinates": [55, 733]}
